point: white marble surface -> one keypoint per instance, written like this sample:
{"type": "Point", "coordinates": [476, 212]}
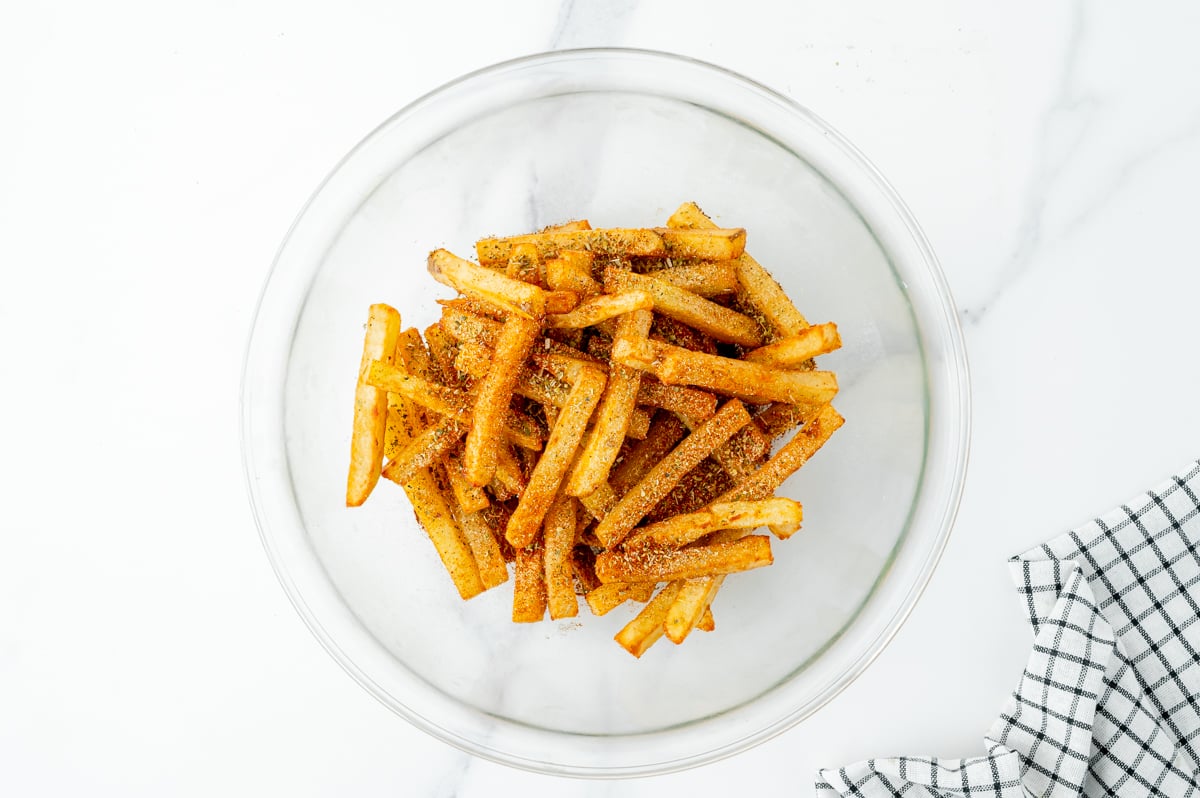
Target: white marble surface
{"type": "Point", "coordinates": [151, 158]}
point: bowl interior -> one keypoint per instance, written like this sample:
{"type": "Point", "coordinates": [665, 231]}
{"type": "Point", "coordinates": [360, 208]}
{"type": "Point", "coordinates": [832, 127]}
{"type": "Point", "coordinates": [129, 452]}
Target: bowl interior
{"type": "Point", "coordinates": [618, 160]}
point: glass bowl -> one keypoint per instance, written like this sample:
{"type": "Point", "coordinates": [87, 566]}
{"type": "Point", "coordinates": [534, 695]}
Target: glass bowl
{"type": "Point", "coordinates": [620, 137]}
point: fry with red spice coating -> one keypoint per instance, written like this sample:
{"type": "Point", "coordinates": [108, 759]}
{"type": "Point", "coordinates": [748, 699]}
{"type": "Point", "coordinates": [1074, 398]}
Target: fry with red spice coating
{"type": "Point", "coordinates": [512, 296]}
{"type": "Point", "coordinates": [370, 405]}
{"type": "Point", "coordinates": [493, 395]}
{"type": "Point", "coordinates": [666, 431]}
{"type": "Point", "coordinates": [425, 450]}
{"type": "Point", "coordinates": [695, 405]}
{"type": "Point", "coordinates": [529, 584]}
{"type": "Point", "coordinates": [605, 598]}
{"type": "Point", "coordinates": [601, 308]}
{"type": "Point", "coordinates": [703, 278]}
{"type": "Point", "coordinates": [794, 350]}
{"type": "Point", "coordinates": [559, 543]}
{"type": "Point", "coordinates": [780, 513]}
{"type": "Point", "coordinates": [655, 564]}
{"type": "Point", "coordinates": [693, 310]}
{"type": "Point", "coordinates": [482, 540]}
{"type": "Point", "coordinates": [795, 453]}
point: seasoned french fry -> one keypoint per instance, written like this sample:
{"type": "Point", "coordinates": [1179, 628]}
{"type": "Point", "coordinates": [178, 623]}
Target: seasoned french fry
{"type": "Point", "coordinates": [704, 278]}
{"type": "Point", "coordinates": [676, 333]}
{"type": "Point", "coordinates": [370, 406]}
{"type": "Point", "coordinates": [509, 480]}
{"type": "Point", "coordinates": [599, 502]}
{"type": "Point", "coordinates": [583, 563]}
{"type": "Point", "coordinates": [780, 418]}
{"type": "Point", "coordinates": [709, 244]}
{"type": "Point", "coordinates": [667, 431]}
{"type": "Point", "coordinates": [395, 436]}
{"type": "Point", "coordinates": [587, 386]}
{"type": "Point", "coordinates": [448, 402]}
{"type": "Point", "coordinates": [560, 302]}
{"type": "Point", "coordinates": [425, 450]}
{"type": "Point", "coordinates": [752, 382]}
{"type": "Point", "coordinates": [663, 476]}
{"type": "Point", "coordinates": [475, 360]}
{"type": "Point", "coordinates": [525, 264]}
{"type": "Point", "coordinates": [782, 514]}
{"type": "Point", "coordinates": [572, 271]}
{"type": "Point", "coordinates": [470, 328]}
{"type": "Point", "coordinates": [470, 498]}
{"type": "Point", "coordinates": [696, 311]}
{"type": "Point", "coordinates": [559, 543]}
{"type": "Point", "coordinates": [639, 424]}
{"type": "Point", "coordinates": [706, 623]}
{"type": "Point", "coordinates": [489, 285]}
{"type": "Point", "coordinates": [644, 631]}
{"type": "Point", "coordinates": [697, 489]}
{"type": "Point", "coordinates": [603, 442]}
{"type": "Point", "coordinates": [443, 349]}
{"type": "Point", "coordinates": [564, 227]}
{"type": "Point", "coordinates": [605, 598]}
{"type": "Point", "coordinates": [433, 513]}
{"type": "Point", "coordinates": [482, 540]}
{"type": "Point", "coordinates": [744, 452]}
{"type": "Point", "coordinates": [790, 352]}
{"type": "Point", "coordinates": [795, 453]}
{"type": "Point", "coordinates": [689, 606]}
{"type": "Point", "coordinates": [714, 244]}
{"type": "Point", "coordinates": [696, 406]}
{"type": "Point", "coordinates": [757, 284]}
{"type": "Point", "coordinates": [493, 395]}
{"type": "Point", "coordinates": [601, 308]}
{"type": "Point", "coordinates": [654, 564]}
{"type": "Point", "coordinates": [529, 584]}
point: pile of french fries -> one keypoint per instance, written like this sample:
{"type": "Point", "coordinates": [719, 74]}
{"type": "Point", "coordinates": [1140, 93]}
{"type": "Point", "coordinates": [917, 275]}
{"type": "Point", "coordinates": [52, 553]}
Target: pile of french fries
{"type": "Point", "coordinates": [599, 408]}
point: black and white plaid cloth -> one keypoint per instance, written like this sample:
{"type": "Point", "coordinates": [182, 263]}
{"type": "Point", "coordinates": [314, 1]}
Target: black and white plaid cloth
{"type": "Point", "coordinates": [1109, 704]}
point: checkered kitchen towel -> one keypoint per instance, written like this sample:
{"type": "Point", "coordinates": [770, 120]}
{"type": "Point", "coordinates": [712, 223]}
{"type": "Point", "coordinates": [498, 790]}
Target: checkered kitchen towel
{"type": "Point", "coordinates": [1109, 704]}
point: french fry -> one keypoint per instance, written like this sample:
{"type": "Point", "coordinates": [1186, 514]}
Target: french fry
{"type": "Point", "coordinates": [370, 406]}
{"type": "Point", "coordinates": [509, 480]}
{"type": "Point", "coordinates": [468, 327]}
{"type": "Point", "coordinates": [639, 424]}
{"type": "Point", "coordinates": [482, 540]}
{"type": "Point", "coordinates": [667, 473]}
{"type": "Point", "coordinates": [638, 635]}
{"type": "Point", "coordinates": [712, 244]}
{"type": "Point", "coordinates": [599, 502]}
{"type": "Point", "coordinates": [671, 331]}
{"type": "Point", "coordinates": [706, 623]}
{"type": "Point", "coordinates": [752, 382]}
{"type": "Point", "coordinates": [513, 296]}
{"type": "Point", "coordinates": [697, 489]}
{"type": "Point", "coordinates": [529, 584]}
{"type": "Point", "coordinates": [695, 311]}
{"type": "Point", "coordinates": [696, 406]}
{"type": "Point", "coordinates": [790, 352]}
{"type": "Point", "coordinates": [744, 452]}
{"type": "Point", "coordinates": [601, 308]}
{"type": "Point", "coordinates": [475, 360]}
{"type": "Point", "coordinates": [470, 498]}
{"type": "Point", "coordinates": [572, 271]}
{"type": "Point", "coordinates": [756, 283]}
{"type": "Point", "coordinates": [560, 302]}
{"type": "Point", "coordinates": [709, 244]}
{"type": "Point", "coordinates": [434, 515]}
{"type": "Point", "coordinates": [425, 450]}
{"type": "Point", "coordinates": [443, 350]}
{"type": "Point", "coordinates": [564, 227]}
{"type": "Point", "coordinates": [667, 431]}
{"type": "Point", "coordinates": [525, 264]}
{"type": "Point", "coordinates": [794, 454]}
{"type": "Point", "coordinates": [779, 418]}
{"type": "Point", "coordinates": [703, 278]}
{"type": "Point", "coordinates": [559, 543]}
{"type": "Point", "coordinates": [782, 514]}
{"type": "Point", "coordinates": [583, 563]}
{"type": "Point", "coordinates": [689, 606]}
{"type": "Point", "coordinates": [606, 598]}
{"type": "Point", "coordinates": [449, 402]}
{"type": "Point", "coordinates": [493, 395]}
{"type": "Point", "coordinates": [603, 442]}
{"type": "Point", "coordinates": [654, 564]}
{"type": "Point", "coordinates": [586, 388]}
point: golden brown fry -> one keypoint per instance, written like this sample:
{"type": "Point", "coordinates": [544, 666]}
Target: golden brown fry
{"type": "Point", "coordinates": [452, 402]}
{"type": "Point", "coordinates": [599, 502]}
{"type": "Point", "coordinates": [634, 505]}
{"type": "Point", "coordinates": [795, 453]}
{"type": "Point", "coordinates": [587, 386]}
{"type": "Point", "coordinates": [744, 452]}
{"type": "Point", "coordinates": [757, 284]}
{"type": "Point", "coordinates": [605, 598]}
{"type": "Point", "coordinates": [542, 388]}
{"type": "Point", "coordinates": [443, 349]}
{"type": "Point", "coordinates": [706, 623]}
{"type": "Point", "coordinates": [470, 498]}
{"type": "Point", "coordinates": [513, 296]}
{"type": "Point", "coordinates": [780, 418]}
{"type": "Point", "coordinates": [693, 310]}
{"type": "Point", "coordinates": [572, 271]}
{"type": "Point", "coordinates": [714, 244]}
{"type": "Point", "coordinates": [689, 606]}
{"type": "Point", "coordinates": [560, 302]}
{"type": "Point", "coordinates": [644, 631]}
{"type": "Point", "coordinates": [482, 540]}
{"type": "Point", "coordinates": [670, 331]}
{"type": "Point", "coordinates": [529, 585]}
{"type": "Point", "coordinates": [752, 382]}
{"type": "Point", "coordinates": [601, 308]}
{"type": "Point", "coordinates": [667, 431]}
{"type": "Point", "coordinates": [695, 406]}
{"type": "Point", "coordinates": [793, 351]}
{"type": "Point", "coordinates": [435, 517]}
{"type": "Point", "coordinates": [709, 244]}
{"type": "Point", "coordinates": [575, 224]}
{"type": "Point", "coordinates": [493, 396]}
{"type": "Point", "coordinates": [603, 442]}
{"type": "Point", "coordinates": [509, 480]}
{"type": "Point", "coordinates": [653, 564]}
{"type": "Point", "coordinates": [470, 328]}
{"type": "Point", "coordinates": [639, 424]}
{"type": "Point", "coordinates": [525, 264]}
{"type": "Point", "coordinates": [370, 405]}
{"type": "Point", "coordinates": [559, 543]}
{"type": "Point", "coordinates": [698, 488]}
{"type": "Point", "coordinates": [780, 513]}
{"type": "Point", "coordinates": [704, 278]}
{"type": "Point", "coordinates": [425, 450]}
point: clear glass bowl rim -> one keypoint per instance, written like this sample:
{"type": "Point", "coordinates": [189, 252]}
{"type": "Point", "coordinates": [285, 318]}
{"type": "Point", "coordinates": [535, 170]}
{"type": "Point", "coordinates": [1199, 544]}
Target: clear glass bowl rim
{"type": "Point", "coordinates": [956, 363]}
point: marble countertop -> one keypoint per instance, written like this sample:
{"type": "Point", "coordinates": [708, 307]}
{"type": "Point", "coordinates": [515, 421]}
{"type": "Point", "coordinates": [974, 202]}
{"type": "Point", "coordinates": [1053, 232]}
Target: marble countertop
{"type": "Point", "coordinates": [153, 156]}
